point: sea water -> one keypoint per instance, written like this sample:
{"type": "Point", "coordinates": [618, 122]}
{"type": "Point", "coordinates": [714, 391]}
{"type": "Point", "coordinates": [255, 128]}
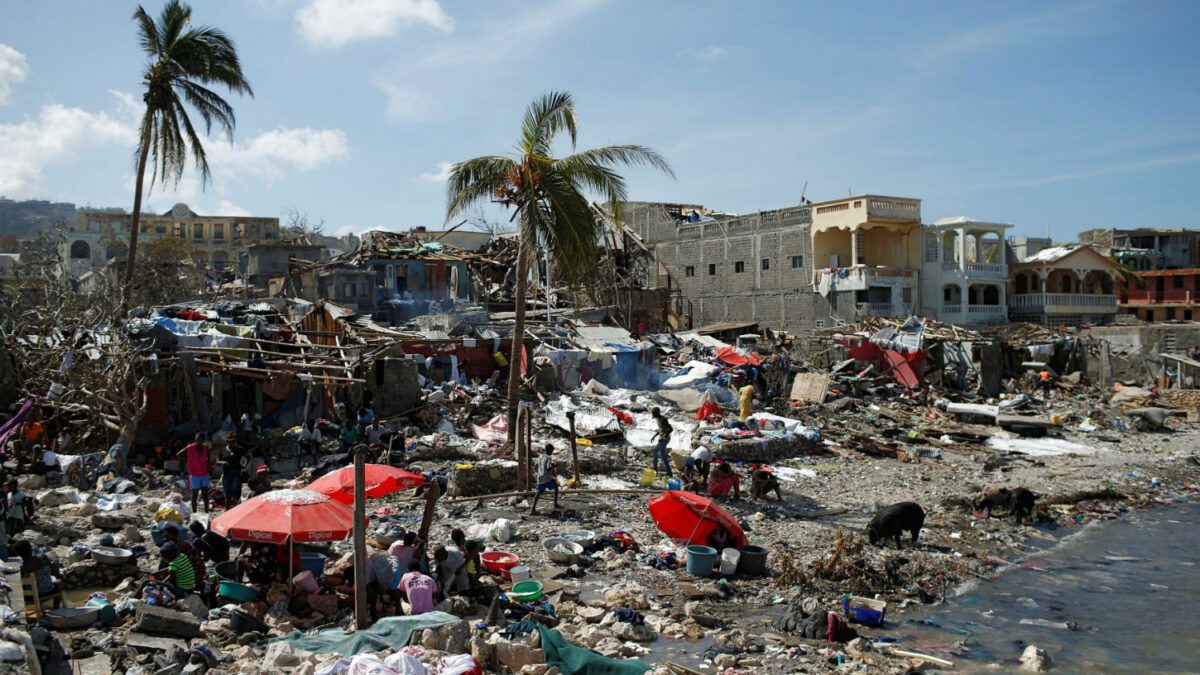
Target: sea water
{"type": "Point", "coordinates": [1116, 597]}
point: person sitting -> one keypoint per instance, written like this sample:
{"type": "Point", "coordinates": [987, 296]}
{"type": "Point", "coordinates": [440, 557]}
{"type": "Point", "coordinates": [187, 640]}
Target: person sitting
{"type": "Point", "coordinates": [762, 482]}
{"type": "Point", "coordinates": [374, 433]}
{"type": "Point", "coordinates": [39, 565]}
{"type": "Point", "coordinates": [722, 479]}
{"type": "Point", "coordinates": [348, 436]}
{"type": "Point", "coordinates": [405, 550]}
{"type": "Point", "coordinates": [721, 538]}
{"type": "Point", "coordinates": [180, 575]}
{"type": "Point", "coordinates": [309, 442]}
{"type": "Point", "coordinates": [259, 563]}
{"type": "Point", "coordinates": [261, 483]}
{"type": "Point", "coordinates": [417, 589]}
{"type": "Point", "coordinates": [212, 545]}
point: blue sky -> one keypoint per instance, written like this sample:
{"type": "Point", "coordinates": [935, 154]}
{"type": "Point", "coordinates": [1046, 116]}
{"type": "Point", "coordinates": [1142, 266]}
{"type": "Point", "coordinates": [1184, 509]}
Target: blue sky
{"type": "Point", "coordinates": [1067, 116]}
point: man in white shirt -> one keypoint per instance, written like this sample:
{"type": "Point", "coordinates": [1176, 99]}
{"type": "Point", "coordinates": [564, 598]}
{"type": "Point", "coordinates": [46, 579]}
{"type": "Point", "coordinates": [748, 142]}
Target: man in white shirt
{"type": "Point", "coordinates": [309, 442]}
{"type": "Point", "coordinates": [697, 463]}
{"type": "Point", "coordinates": [374, 433]}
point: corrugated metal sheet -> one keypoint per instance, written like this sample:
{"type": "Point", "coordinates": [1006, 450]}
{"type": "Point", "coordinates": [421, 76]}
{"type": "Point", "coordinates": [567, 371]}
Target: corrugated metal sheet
{"type": "Point", "coordinates": [598, 335]}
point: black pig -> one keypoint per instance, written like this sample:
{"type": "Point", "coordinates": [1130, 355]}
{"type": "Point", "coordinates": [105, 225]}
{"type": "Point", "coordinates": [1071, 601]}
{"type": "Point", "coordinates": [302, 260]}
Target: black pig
{"type": "Point", "coordinates": [892, 521]}
{"type": "Point", "coordinates": [1018, 502]}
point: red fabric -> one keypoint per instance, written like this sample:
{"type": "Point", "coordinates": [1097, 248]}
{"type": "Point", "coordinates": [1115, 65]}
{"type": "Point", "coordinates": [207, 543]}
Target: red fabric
{"type": "Point", "coordinates": [738, 357]}
{"type": "Point", "coordinates": [685, 515]}
{"type": "Point", "coordinates": [623, 416]}
{"type": "Point", "coordinates": [865, 350]}
{"type": "Point", "coordinates": [381, 480]}
{"type": "Point", "coordinates": [708, 410]}
{"type": "Point", "coordinates": [303, 515]}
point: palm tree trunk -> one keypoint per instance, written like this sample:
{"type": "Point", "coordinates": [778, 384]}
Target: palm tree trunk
{"type": "Point", "coordinates": [134, 224]}
{"type": "Point", "coordinates": [514, 360]}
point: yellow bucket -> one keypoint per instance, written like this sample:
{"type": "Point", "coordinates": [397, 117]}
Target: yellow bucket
{"type": "Point", "coordinates": [1056, 419]}
{"type": "Point", "coordinates": [648, 477]}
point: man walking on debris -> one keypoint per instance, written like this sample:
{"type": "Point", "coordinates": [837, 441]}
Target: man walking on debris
{"type": "Point", "coordinates": [545, 476]}
{"type": "Point", "coordinates": [663, 436]}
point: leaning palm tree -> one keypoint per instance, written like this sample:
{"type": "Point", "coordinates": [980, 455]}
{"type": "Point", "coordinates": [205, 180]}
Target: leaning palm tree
{"type": "Point", "coordinates": [183, 61]}
{"type": "Point", "coordinates": [546, 196]}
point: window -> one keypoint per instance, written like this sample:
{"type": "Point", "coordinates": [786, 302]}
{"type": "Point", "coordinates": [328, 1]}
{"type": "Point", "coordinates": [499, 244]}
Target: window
{"type": "Point", "coordinates": [160, 228]}
{"type": "Point", "coordinates": [712, 270]}
{"type": "Point", "coordinates": [181, 230]}
{"type": "Point", "coordinates": [931, 249]}
{"type": "Point", "coordinates": [93, 226]}
{"type": "Point", "coordinates": [1177, 282]}
{"type": "Point", "coordinates": [689, 271]}
{"type": "Point", "coordinates": [144, 227]}
{"type": "Point", "coordinates": [80, 250]}
{"type": "Point", "coordinates": [739, 267]}
{"type": "Point", "coordinates": [197, 230]}
{"type": "Point", "coordinates": [238, 230]}
{"type": "Point", "coordinates": [820, 323]}
{"type": "Point", "coordinates": [218, 230]}
{"type": "Point", "coordinates": [766, 263]}
{"type": "Point", "coordinates": [797, 262]}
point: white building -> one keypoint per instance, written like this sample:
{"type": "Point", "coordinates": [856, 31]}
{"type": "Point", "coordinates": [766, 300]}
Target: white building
{"type": "Point", "coordinates": [964, 271]}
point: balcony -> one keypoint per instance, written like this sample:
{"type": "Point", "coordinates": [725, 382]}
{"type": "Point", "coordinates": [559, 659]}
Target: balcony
{"type": "Point", "coordinates": [881, 309]}
{"type": "Point", "coordinates": [862, 277]}
{"type": "Point", "coordinates": [976, 270]}
{"type": "Point", "coordinates": [1062, 303]}
{"type": "Point", "coordinates": [1149, 297]}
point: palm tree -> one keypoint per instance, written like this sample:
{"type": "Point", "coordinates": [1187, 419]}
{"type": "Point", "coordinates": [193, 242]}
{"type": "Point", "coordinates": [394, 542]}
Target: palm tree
{"type": "Point", "coordinates": [184, 61]}
{"type": "Point", "coordinates": [546, 195]}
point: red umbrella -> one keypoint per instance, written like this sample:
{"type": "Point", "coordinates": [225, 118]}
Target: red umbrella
{"type": "Point", "coordinates": [303, 515]}
{"type": "Point", "coordinates": [381, 480]}
{"type": "Point", "coordinates": [684, 515]}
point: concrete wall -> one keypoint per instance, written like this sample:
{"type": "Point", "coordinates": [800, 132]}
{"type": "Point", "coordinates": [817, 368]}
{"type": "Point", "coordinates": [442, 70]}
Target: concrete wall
{"type": "Point", "coordinates": [703, 259]}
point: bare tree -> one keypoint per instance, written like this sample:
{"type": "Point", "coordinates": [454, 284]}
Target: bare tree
{"type": "Point", "coordinates": [300, 227]}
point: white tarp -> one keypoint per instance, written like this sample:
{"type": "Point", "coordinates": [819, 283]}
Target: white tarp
{"type": "Point", "coordinates": [1039, 447]}
{"type": "Point", "coordinates": [697, 371]}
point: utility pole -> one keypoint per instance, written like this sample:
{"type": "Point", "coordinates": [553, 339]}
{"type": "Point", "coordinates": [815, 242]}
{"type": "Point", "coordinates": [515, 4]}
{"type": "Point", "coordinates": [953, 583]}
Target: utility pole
{"type": "Point", "coordinates": [361, 621]}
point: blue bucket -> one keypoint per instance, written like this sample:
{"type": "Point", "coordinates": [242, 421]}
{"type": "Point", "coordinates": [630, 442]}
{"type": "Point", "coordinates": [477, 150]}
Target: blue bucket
{"type": "Point", "coordinates": [700, 560]}
{"type": "Point", "coordinates": [313, 562]}
{"type": "Point", "coordinates": [674, 484]}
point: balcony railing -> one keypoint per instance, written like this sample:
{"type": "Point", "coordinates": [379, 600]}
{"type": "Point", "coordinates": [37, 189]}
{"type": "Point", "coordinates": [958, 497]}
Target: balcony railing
{"type": "Point", "coordinates": [1149, 297]}
{"type": "Point", "coordinates": [880, 309]}
{"type": "Point", "coordinates": [984, 309]}
{"type": "Point", "coordinates": [1083, 302]}
{"type": "Point", "coordinates": [984, 268]}
{"type": "Point", "coordinates": [951, 309]}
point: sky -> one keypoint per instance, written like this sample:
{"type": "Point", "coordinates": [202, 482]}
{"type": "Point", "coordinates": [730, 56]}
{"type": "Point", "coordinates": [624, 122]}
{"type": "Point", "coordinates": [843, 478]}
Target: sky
{"type": "Point", "coordinates": [1055, 117]}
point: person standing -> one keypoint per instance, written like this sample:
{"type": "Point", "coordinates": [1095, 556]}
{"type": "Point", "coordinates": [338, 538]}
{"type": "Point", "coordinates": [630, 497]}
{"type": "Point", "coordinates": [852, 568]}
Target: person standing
{"type": "Point", "coordinates": [545, 476]}
{"type": "Point", "coordinates": [747, 395]}
{"type": "Point", "coordinates": [1044, 382]}
{"type": "Point", "coordinates": [198, 470]}
{"type": "Point", "coordinates": [233, 462]}
{"type": "Point", "coordinates": [662, 436]}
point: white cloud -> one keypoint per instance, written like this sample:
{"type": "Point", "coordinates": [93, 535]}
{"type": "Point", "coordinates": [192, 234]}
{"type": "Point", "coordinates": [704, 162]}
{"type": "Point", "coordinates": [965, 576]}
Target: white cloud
{"type": "Point", "coordinates": [57, 134]}
{"type": "Point", "coordinates": [13, 70]}
{"type": "Point", "coordinates": [334, 23]}
{"type": "Point", "coordinates": [270, 154]}
{"type": "Point", "coordinates": [442, 175]}
{"type": "Point", "coordinates": [710, 53]}
{"type": "Point", "coordinates": [228, 208]}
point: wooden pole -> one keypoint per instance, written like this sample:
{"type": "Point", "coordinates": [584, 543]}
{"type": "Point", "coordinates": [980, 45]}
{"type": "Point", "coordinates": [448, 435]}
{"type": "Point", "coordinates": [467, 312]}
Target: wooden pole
{"type": "Point", "coordinates": [574, 447]}
{"type": "Point", "coordinates": [529, 480]}
{"type": "Point", "coordinates": [431, 497]}
{"type": "Point", "coordinates": [361, 620]}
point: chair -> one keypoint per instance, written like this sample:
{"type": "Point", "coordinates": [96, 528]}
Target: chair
{"type": "Point", "coordinates": [35, 602]}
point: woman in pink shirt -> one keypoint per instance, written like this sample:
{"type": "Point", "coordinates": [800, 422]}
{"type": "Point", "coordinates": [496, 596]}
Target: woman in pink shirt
{"type": "Point", "coordinates": [418, 588]}
{"type": "Point", "coordinates": [198, 470]}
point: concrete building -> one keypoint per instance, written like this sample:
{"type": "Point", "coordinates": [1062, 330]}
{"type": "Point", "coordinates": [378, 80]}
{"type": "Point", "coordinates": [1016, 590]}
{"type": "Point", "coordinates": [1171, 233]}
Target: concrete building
{"type": "Point", "coordinates": [869, 252]}
{"type": "Point", "coordinates": [101, 235]}
{"type": "Point", "coordinates": [755, 268]}
{"type": "Point", "coordinates": [1162, 295]}
{"type": "Point", "coordinates": [1147, 248]}
{"type": "Point", "coordinates": [1021, 248]}
{"type": "Point", "coordinates": [964, 271]}
{"type": "Point", "coordinates": [792, 269]}
{"type": "Point", "coordinates": [268, 260]}
{"type": "Point", "coordinates": [1063, 286]}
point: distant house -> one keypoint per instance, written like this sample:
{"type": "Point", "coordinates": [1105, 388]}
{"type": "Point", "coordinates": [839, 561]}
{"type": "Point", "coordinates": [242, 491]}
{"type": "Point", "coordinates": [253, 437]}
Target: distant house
{"type": "Point", "coordinates": [274, 259]}
{"type": "Point", "coordinates": [1063, 286]}
{"type": "Point", "coordinates": [964, 271]}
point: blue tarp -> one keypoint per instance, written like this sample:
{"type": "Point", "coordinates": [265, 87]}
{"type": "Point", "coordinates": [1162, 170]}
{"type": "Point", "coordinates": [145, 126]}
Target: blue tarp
{"type": "Point", "coordinates": [391, 632]}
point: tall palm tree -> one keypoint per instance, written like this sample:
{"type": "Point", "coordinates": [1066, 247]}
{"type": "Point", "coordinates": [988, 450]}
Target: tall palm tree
{"type": "Point", "coordinates": [183, 61]}
{"type": "Point", "coordinates": [546, 196]}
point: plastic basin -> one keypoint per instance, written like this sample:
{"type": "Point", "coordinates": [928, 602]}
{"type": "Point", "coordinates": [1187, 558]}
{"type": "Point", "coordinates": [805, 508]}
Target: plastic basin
{"type": "Point", "coordinates": [227, 571]}
{"type": "Point", "coordinates": [700, 560]}
{"type": "Point", "coordinates": [111, 555]}
{"type": "Point", "coordinates": [498, 561]}
{"type": "Point", "coordinates": [527, 591]}
{"type": "Point", "coordinates": [562, 550]}
{"type": "Point", "coordinates": [236, 591]}
{"type": "Point", "coordinates": [242, 622]}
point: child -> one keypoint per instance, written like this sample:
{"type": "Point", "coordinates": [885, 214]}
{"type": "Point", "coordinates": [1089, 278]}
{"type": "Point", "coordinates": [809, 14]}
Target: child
{"type": "Point", "coordinates": [545, 477]}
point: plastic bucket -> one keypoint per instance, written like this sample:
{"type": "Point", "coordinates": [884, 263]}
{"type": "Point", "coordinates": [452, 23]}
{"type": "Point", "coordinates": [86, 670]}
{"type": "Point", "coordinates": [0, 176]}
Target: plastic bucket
{"type": "Point", "coordinates": [305, 582]}
{"type": "Point", "coordinates": [107, 613]}
{"type": "Point", "coordinates": [674, 484]}
{"type": "Point", "coordinates": [227, 571]}
{"type": "Point", "coordinates": [313, 562]}
{"type": "Point", "coordinates": [519, 573]}
{"type": "Point", "coordinates": [700, 560]}
{"type": "Point", "coordinates": [729, 561]}
{"type": "Point", "coordinates": [753, 560]}
{"type": "Point", "coordinates": [648, 477]}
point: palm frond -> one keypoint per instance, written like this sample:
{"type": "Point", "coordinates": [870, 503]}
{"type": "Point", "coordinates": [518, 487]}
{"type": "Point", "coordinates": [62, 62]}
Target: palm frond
{"type": "Point", "coordinates": [148, 35]}
{"type": "Point", "coordinates": [570, 231]}
{"type": "Point", "coordinates": [475, 180]}
{"type": "Point", "coordinates": [210, 106]}
{"type": "Point", "coordinates": [199, 158]}
{"type": "Point", "coordinates": [544, 119]}
{"type": "Point", "coordinates": [173, 20]}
